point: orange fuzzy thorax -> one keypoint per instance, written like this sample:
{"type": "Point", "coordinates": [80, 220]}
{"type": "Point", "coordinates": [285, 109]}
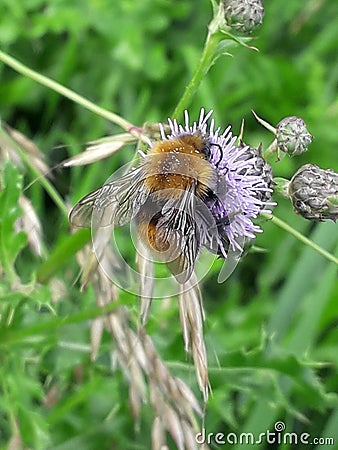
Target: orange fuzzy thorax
{"type": "Point", "coordinates": [179, 164]}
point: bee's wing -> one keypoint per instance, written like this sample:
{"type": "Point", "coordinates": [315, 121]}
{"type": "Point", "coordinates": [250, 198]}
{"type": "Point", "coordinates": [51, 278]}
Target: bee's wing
{"type": "Point", "coordinates": [81, 214]}
{"type": "Point", "coordinates": [114, 203]}
{"type": "Point", "coordinates": [178, 227]}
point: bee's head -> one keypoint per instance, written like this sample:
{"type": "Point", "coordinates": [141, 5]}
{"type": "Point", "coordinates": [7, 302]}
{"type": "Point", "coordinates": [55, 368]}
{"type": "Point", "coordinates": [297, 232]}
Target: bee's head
{"type": "Point", "coordinates": [206, 149]}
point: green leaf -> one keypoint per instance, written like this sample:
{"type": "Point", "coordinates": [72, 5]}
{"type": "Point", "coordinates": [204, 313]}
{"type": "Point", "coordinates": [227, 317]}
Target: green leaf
{"type": "Point", "coordinates": [11, 242]}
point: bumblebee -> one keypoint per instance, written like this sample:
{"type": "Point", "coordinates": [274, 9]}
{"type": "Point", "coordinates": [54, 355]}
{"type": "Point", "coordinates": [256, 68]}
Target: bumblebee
{"type": "Point", "coordinates": [165, 196]}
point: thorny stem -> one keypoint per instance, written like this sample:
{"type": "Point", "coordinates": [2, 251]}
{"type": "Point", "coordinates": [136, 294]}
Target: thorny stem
{"type": "Point", "coordinates": [281, 224]}
{"type": "Point", "coordinates": [71, 95]}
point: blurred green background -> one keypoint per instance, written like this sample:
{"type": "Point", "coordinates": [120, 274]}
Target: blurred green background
{"type": "Point", "coordinates": [272, 326]}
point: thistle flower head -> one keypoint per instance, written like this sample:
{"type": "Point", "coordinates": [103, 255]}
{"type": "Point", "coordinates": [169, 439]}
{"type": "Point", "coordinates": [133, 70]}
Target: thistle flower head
{"type": "Point", "coordinates": [243, 185]}
{"type": "Point", "coordinates": [292, 136]}
{"type": "Point", "coordinates": [245, 15]}
{"type": "Point", "coordinates": [314, 193]}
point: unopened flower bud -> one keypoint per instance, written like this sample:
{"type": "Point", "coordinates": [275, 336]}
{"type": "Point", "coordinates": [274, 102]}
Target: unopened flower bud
{"type": "Point", "coordinates": [245, 15]}
{"type": "Point", "coordinates": [292, 136]}
{"type": "Point", "coordinates": [314, 193]}
{"type": "Point", "coordinates": [259, 168]}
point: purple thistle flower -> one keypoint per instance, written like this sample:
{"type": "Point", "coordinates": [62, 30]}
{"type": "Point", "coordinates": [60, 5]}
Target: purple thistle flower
{"type": "Point", "coordinates": [243, 186]}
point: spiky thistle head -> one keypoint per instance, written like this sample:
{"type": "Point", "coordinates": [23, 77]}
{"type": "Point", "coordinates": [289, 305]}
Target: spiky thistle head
{"type": "Point", "coordinates": [292, 136]}
{"type": "Point", "coordinates": [314, 193]}
{"type": "Point", "coordinates": [244, 15]}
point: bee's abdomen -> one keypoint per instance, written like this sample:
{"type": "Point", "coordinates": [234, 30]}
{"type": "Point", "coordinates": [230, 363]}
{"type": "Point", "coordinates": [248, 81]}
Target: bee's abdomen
{"type": "Point", "coordinates": [150, 235]}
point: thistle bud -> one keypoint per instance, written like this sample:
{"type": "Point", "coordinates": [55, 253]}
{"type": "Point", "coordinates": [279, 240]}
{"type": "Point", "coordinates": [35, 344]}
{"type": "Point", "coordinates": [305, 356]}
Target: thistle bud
{"type": "Point", "coordinates": [245, 15]}
{"type": "Point", "coordinates": [258, 168]}
{"type": "Point", "coordinates": [314, 193]}
{"type": "Point", "coordinates": [292, 136]}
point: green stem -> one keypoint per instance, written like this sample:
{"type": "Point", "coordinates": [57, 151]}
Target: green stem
{"type": "Point", "coordinates": [271, 152]}
{"type": "Point", "coordinates": [281, 224]}
{"type": "Point", "coordinates": [68, 93]}
{"type": "Point", "coordinates": [202, 68]}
